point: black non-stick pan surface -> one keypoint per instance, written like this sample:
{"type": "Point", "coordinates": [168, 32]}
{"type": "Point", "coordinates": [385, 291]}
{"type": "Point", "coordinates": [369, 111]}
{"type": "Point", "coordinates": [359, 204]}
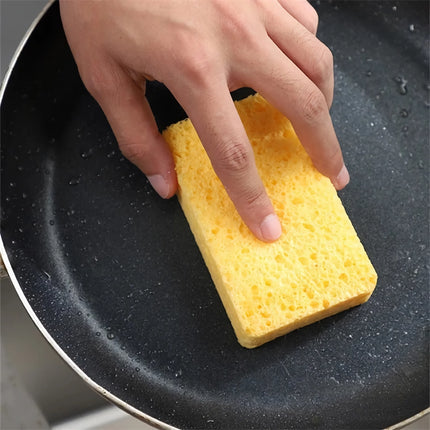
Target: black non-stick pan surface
{"type": "Point", "coordinates": [112, 276]}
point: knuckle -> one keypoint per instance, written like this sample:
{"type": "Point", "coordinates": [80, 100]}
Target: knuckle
{"type": "Point", "coordinates": [134, 152]}
{"type": "Point", "coordinates": [312, 20]}
{"type": "Point", "coordinates": [323, 65]}
{"type": "Point", "coordinates": [261, 3]}
{"type": "Point", "coordinates": [255, 197]}
{"type": "Point", "coordinates": [99, 82]}
{"type": "Point", "coordinates": [195, 62]}
{"type": "Point", "coordinates": [329, 162]}
{"type": "Point", "coordinates": [196, 68]}
{"type": "Point", "coordinates": [334, 155]}
{"type": "Point", "coordinates": [238, 29]}
{"type": "Point", "coordinates": [232, 23]}
{"type": "Point", "coordinates": [234, 157]}
{"type": "Point", "coordinates": [314, 106]}
{"type": "Point", "coordinates": [94, 80]}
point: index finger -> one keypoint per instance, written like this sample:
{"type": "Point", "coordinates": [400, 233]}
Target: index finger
{"type": "Point", "coordinates": [221, 131]}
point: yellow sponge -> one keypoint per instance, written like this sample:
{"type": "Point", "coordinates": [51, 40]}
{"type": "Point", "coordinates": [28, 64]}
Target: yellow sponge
{"type": "Point", "coordinates": [317, 268]}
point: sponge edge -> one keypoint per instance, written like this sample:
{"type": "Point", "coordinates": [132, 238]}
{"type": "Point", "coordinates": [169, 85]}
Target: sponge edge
{"type": "Point", "coordinates": [316, 269]}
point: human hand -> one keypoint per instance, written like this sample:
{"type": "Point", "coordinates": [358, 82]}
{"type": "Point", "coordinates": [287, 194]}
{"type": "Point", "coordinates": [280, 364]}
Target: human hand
{"type": "Point", "coordinates": [202, 50]}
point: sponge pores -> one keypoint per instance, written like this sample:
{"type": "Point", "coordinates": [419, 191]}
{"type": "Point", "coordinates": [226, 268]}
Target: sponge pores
{"type": "Point", "coordinates": [316, 269]}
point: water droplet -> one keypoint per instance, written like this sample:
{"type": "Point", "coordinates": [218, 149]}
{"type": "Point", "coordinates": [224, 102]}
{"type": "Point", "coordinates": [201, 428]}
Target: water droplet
{"type": "Point", "coordinates": [411, 28]}
{"type": "Point", "coordinates": [21, 230]}
{"type": "Point", "coordinates": [404, 113]}
{"type": "Point", "coordinates": [24, 196]}
{"type": "Point", "coordinates": [87, 154]}
{"type": "Point", "coordinates": [51, 222]}
{"type": "Point", "coordinates": [12, 184]}
{"type": "Point", "coordinates": [421, 164]}
{"type": "Point", "coordinates": [405, 128]}
{"type": "Point", "coordinates": [111, 154]}
{"type": "Point", "coordinates": [369, 73]}
{"type": "Point", "coordinates": [394, 8]}
{"type": "Point", "coordinates": [98, 333]}
{"type": "Point", "coordinates": [401, 81]}
{"type": "Point", "coordinates": [79, 313]}
{"type": "Point", "coordinates": [75, 181]}
{"type": "Point", "coordinates": [110, 336]}
{"type": "Point", "coordinates": [20, 168]}
{"type": "Point", "coordinates": [137, 369]}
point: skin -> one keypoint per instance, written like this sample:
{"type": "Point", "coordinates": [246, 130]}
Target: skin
{"type": "Point", "coordinates": [201, 50]}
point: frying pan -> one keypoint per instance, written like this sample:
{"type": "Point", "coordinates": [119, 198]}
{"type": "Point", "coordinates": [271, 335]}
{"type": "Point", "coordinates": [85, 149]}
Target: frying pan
{"type": "Point", "coordinates": [112, 277]}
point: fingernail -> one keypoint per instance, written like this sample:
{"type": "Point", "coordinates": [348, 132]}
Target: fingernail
{"type": "Point", "coordinates": [271, 228]}
{"type": "Point", "coordinates": [159, 184]}
{"type": "Point", "coordinates": [341, 179]}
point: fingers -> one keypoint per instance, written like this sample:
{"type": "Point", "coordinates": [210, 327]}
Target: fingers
{"type": "Point", "coordinates": [220, 129]}
{"type": "Point", "coordinates": [300, 45]}
{"type": "Point", "coordinates": [133, 124]}
{"type": "Point", "coordinates": [303, 12]}
{"type": "Point", "coordinates": [297, 97]}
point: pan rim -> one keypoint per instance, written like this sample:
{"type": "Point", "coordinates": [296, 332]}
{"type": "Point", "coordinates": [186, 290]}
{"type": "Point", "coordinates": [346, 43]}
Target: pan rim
{"type": "Point", "coordinates": [11, 274]}
{"type": "Point", "coordinates": [94, 385]}
{"type": "Point", "coordinates": [411, 420]}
